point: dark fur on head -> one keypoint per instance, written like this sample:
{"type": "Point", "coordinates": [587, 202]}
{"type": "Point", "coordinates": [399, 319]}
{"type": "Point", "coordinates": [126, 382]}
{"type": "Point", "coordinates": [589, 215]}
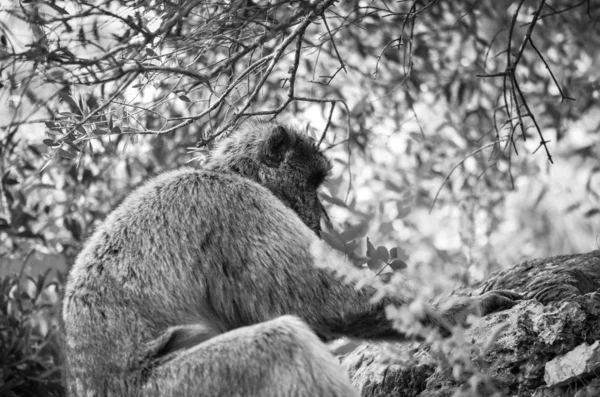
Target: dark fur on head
{"type": "Point", "coordinates": [281, 158]}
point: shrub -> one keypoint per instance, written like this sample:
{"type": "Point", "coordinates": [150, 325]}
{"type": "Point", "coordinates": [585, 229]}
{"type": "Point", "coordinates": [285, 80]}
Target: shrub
{"type": "Point", "coordinates": [29, 340]}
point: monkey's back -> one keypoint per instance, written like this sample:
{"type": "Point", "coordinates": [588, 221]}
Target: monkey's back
{"type": "Point", "coordinates": [217, 235]}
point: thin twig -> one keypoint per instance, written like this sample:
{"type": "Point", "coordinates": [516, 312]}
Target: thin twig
{"type": "Point", "coordinates": [562, 95]}
{"type": "Point", "coordinates": [459, 164]}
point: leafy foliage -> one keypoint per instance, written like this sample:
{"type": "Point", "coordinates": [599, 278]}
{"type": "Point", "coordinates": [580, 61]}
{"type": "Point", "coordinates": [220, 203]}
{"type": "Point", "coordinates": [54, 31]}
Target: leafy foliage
{"type": "Point", "coordinates": [29, 349]}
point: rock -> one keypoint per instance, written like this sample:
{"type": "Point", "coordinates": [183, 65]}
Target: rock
{"type": "Point", "coordinates": [580, 362]}
{"type": "Point", "coordinates": [545, 346]}
{"type": "Point", "coordinates": [550, 279]}
{"type": "Point", "coordinates": [376, 378]}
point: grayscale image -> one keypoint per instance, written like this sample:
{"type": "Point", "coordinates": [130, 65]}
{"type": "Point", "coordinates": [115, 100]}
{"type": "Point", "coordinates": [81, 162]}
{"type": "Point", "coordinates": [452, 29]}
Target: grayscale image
{"type": "Point", "coordinates": [299, 198]}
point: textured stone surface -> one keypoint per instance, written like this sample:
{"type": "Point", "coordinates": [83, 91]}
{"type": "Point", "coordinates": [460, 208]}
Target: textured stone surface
{"type": "Point", "coordinates": [550, 279]}
{"type": "Point", "coordinates": [582, 361]}
{"type": "Point", "coordinates": [374, 377]}
{"type": "Point", "coordinates": [537, 334]}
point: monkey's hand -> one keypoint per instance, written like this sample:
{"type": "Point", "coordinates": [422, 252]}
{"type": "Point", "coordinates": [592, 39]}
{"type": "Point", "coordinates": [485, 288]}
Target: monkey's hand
{"type": "Point", "coordinates": [487, 303]}
{"type": "Point", "coordinates": [494, 301]}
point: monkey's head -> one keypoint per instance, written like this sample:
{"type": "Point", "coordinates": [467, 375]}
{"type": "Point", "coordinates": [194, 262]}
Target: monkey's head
{"type": "Point", "coordinates": [280, 158]}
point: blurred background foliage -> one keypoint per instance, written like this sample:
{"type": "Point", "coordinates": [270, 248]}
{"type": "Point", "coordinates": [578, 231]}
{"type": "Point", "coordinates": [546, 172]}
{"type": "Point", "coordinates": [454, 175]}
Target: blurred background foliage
{"type": "Point", "coordinates": [463, 134]}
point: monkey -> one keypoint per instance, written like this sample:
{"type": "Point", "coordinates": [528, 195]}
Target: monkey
{"type": "Point", "coordinates": [211, 281]}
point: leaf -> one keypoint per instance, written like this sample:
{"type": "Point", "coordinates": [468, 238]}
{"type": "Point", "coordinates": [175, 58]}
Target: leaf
{"type": "Point", "coordinates": [383, 253]}
{"type": "Point", "coordinates": [398, 253]}
{"type": "Point", "coordinates": [397, 264]}
{"type": "Point", "coordinates": [333, 200]}
{"type": "Point", "coordinates": [50, 142]}
{"type": "Point", "coordinates": [592, 212]}
{"type": "Point", "coordinates": [8, 180]}
{"type": "Point", "coordinates": [110, 122]}
{"type": "Point", "coordinates": [116, 129]}
{"type": "Point", "coordinates": [50, 124]}
{"type": "Point", "coordinates": [100, 131]}
{"type": "Point", "coordinates": [33, 149]}
{"type": "Point", "coordinates": [403, 211]}
{"type": "Point", "coordinates": [57, 8]}
{"type": "Point", "coordinates": [67, 98]}
{"type": "Point", "coordinates": [333, 241]}
{"type": "Point", "coordinates": [74, 227]}
{"type": "Point", "coordinates": [359, 260]}
{"type": "Point", "coordinates": [72, 145]}
{"type": "Point", "coordinates": [385, 277]}
{"type": "Point", "coordinates": [393, 187]}
{"type": "Point", "coordinates": [356, 231]}
{"type": "Point", "coordinates": [386, 228]}
{"type": "Point", "coordinates": [350, 246]}
{"type": "Point", "coordinates": [370, 248]}
{"type": "Point", "coordinates": [184, 98]}
{"type": "Point", "coordinates": [82, 106]}
{"type": "Point", "coordinates": [572, 207]}
{"type": "Point", "coordinates": [39, 283]}
{"type": "Point", "coordinates": [68, 114]}
{"type": "Point", "coordinates": [66, 154]}
{"type": "Point", "coordinates": [87, 177]}
{"type": "Point", "coordinates": [406, 198]}
{"type": "Point", "coordinates": [375, 264]}
{"type": "Point", "coordinates": [417, 137]}
{"type": "Point", "coordinates": [151, 52]}
{"type": "Point", "coordinates": [41, 186]}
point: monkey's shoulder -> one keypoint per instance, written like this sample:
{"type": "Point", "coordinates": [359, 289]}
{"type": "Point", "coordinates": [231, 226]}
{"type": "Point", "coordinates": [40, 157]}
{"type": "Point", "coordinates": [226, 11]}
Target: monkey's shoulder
{"type": "Point", "coordinates": [191, 192]}
{"type": "Point", "coordinates": [197, 184]}
{"type": "Point", "coordinates": [185, 202]}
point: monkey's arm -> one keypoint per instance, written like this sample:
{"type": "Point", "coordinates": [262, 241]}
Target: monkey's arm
{"type": "Point", "coordinates": [460, 308]}
{"type": "Point", "coordinates": [372, 323]}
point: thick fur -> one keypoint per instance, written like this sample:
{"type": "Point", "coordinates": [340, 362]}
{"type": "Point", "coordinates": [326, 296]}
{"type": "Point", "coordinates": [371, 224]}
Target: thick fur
{"type": "Point", "coordinates": [185, 287]}
{"type": "Point", "coordinates": [280, 357]}
{"type": "Point", "coordinates": [289, 164]}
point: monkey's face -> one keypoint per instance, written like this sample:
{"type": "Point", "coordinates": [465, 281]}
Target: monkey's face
{"type": "Point", "coordinates": [293, 168]}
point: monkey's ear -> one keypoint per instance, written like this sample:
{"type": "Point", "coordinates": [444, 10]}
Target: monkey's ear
{"type": "Point", "coordinates": [276, 145]}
